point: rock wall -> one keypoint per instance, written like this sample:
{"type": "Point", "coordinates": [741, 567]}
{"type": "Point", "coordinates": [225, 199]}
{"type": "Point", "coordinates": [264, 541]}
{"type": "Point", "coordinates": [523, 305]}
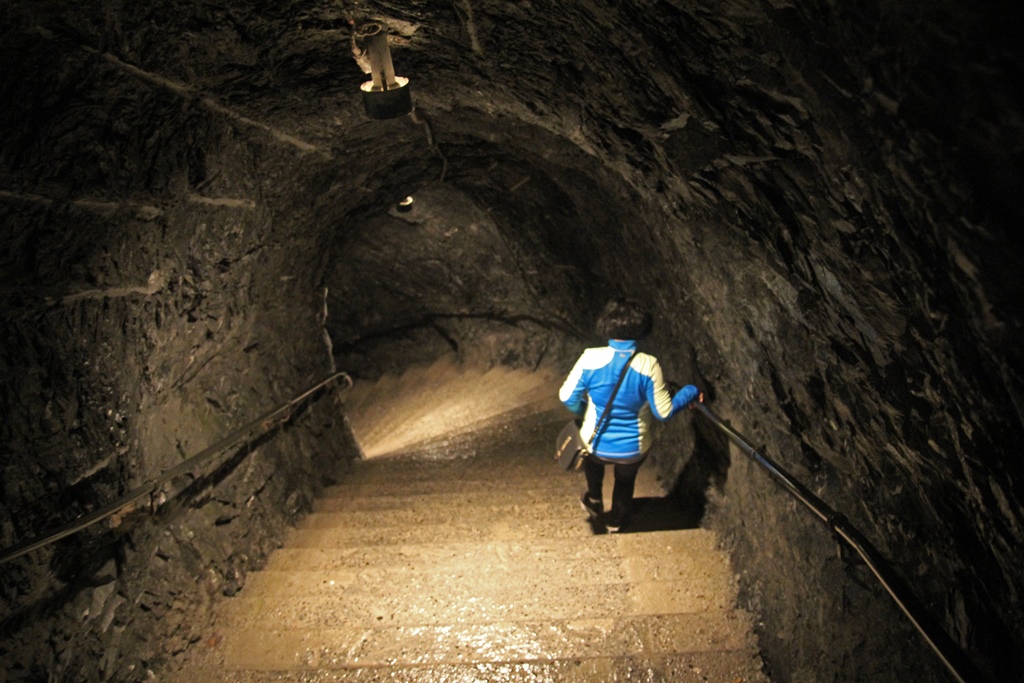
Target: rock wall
{"type": "Point", "coordinates": [153, 302]}
{"type": "Point", "coordinates": [808, 197]}
{"type": "Point", "coordinates": [440, 277]}
{"type": "Point", "coordinates": [841, 287]}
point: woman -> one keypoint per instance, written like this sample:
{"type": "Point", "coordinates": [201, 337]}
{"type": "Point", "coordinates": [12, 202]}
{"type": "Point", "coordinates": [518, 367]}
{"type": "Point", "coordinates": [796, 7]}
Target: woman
{"type": "Point", "coordinates": [625, 436]}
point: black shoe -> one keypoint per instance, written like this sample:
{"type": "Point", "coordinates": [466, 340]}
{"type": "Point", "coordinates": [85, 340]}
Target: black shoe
{"type": "Point", "coordinates": [593, 508]}
{"type": "Point", "coordinates": [614, 523]}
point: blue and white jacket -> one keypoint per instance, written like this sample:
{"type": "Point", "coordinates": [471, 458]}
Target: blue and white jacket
{"type": "Point", "coordinates": [626, 435]}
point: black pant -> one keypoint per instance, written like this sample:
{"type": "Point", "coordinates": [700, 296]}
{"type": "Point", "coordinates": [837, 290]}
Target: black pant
{"type": "Point", "coordinates": [625, 483]}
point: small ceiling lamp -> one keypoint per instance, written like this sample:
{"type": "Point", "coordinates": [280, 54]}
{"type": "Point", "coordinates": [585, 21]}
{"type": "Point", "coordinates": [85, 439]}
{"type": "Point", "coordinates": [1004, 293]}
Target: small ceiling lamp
{"type": "Point", "coordinates": [387, 95]}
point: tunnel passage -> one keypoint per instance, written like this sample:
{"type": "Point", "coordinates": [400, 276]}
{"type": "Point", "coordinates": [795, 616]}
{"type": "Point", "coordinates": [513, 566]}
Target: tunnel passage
{"type": "Point", "coordinates": [520, 234]}
{"type": "Point", "coordinates": [815, 201]}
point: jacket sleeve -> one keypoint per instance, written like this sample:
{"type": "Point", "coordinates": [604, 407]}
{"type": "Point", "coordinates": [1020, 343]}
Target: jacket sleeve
{"type": "Point", "coordinates": [663, 404]}
{"type": "Point", "coordinates": [573, 391]}
{"type": "Point", "coordinates": [657, 394]}
{"type": "Point", "coordinates": [683, 397]}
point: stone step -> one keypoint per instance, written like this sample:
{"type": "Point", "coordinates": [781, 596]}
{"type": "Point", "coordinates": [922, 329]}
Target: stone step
{"type": "Point", "coordinates": [498, 474]}
{"type": "Point", "coordinates": [463, 440]}
{"type": "Point", "coordinates": [428, 377]}
{"type": "Point", "coordinates": [281, 649]}
{"type": "Point", "coordinates": [544, 478]}
{"type": "Point", "coordinates": [525, 509]}
{"type": "Point", "coordinates": [713, 666]}
{"type": "Point", "coordinates": [658, 573]}
{"type": "Point", "coordinates": [428, 390]}
{"type": "Point", "coordinates": [454, 602]}
{"type": "Point", "coordinates": [472, 399]}
{"type": "Point", "coordinates": [664, 545]}
{"type": "Point", "coordinates": [360, 390]}
{"type": "Point", "coordinates": [424, 503]}
{"type": "Point", "coordinates": [400, 411]}
{"type": "Point", "coordinates": [484, 447]}
{"type": "Point", "coordinates": [365, 393]}
{"type": "Point", "coordinates": [499, 440]}
{"type": "Point", "coordinates": [331, 578]}
{"type": "Point", "coordinates": [470, 573]}
{"type": "Point", "coordinates": [423, 379]}
{"type": "Point", "coordinates": [458, 531]}
{"type": "Point", "coordinates": [489, 447]}
{"type": "Point", "coordinates": [376, 404]}
{"type": "Point", "coordinates": [419, 433]}
{"type": "Point", "coordinates": [444, 510]}
{"type": "Point", "coordinates": [562, 520]}
{"type": "Point", "coordinates": [415, 380]}
{"type": "Point", "coordinates": [457, 484]}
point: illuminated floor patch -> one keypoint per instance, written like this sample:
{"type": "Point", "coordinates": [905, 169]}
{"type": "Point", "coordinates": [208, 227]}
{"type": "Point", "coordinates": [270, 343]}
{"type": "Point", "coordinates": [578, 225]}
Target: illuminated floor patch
{"type": "Point", "coordinates": [428, 402]}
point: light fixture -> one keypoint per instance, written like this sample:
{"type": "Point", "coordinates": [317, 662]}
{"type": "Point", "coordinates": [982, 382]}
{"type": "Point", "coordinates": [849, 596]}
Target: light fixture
{"type": "Point", "coordinates": [387, 96]}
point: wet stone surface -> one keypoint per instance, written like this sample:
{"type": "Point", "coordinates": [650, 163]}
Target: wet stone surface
{"type": "Point", "coordinates": [351, 597]}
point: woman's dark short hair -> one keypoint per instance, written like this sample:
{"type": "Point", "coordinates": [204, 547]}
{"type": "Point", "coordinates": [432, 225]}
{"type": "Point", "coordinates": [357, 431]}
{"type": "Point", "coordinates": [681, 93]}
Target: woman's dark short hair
{"type": "Point", "coordinates": [624, 319]}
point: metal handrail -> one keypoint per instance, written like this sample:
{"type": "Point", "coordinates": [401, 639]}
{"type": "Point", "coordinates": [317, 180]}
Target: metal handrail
{"type": "Point", "coordinates": [952, 656]}
{"type": "Point", "coordinates": [152, 490]}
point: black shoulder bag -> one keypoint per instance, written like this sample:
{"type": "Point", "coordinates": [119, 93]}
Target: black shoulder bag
{"type": "Point", "coordinates": [570, 449]}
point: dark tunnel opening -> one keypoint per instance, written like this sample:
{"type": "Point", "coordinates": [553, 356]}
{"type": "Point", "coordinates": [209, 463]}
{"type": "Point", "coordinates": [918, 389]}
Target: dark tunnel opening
{"type": "Point", "coordinates": [198, 220]}
{"type": "Point", "coordinates": [509, 235]}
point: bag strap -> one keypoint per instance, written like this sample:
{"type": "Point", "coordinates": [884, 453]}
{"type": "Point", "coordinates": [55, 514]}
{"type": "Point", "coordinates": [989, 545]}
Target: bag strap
{"type": "Point", "coordinates": [611, 399]}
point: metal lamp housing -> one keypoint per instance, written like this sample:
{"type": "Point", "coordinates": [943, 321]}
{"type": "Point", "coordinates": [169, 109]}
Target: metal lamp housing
{"type": "Point", "coordinates": [386, 96]}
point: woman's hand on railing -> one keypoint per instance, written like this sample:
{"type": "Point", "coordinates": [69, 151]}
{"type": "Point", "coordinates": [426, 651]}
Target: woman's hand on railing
{"type": "Point", "coordinates": [684, 397]}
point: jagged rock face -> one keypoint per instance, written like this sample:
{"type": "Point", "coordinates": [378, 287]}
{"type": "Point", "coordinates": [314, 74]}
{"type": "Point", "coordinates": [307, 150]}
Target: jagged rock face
{"type": "Point", "coordinates": [815, 202]}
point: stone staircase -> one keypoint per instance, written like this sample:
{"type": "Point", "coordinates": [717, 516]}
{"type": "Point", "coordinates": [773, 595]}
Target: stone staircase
{"type": "Point", "coordinates": [481, 566]}
{"type": "Point", "coordinates": [442, 399]}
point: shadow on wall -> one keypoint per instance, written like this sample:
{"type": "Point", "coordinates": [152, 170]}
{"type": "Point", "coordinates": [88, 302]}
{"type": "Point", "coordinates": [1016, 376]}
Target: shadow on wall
{"type": "Point", "coordinates": [707, 467]}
